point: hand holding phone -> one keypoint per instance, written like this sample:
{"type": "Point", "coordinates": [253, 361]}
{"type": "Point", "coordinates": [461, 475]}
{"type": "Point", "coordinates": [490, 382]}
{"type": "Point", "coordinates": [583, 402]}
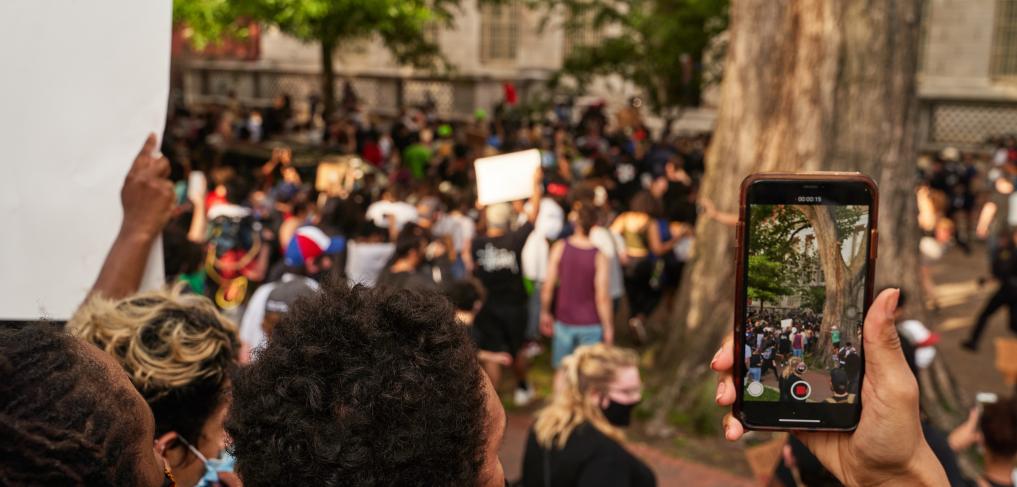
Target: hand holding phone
{"type": "Point", "coordinates": [805, 267]}
{"type": "Point", "coordinates": [888, 445]}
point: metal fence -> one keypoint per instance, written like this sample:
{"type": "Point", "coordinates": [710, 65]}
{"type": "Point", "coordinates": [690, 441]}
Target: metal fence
{"type": "Point", "coordinates": [254, 86]}
{"type": "Point", "coordinates": [966, 124]}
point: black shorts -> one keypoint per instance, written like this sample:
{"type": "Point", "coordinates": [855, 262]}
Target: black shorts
{"type": "Point", "coordinates": [501, 327]}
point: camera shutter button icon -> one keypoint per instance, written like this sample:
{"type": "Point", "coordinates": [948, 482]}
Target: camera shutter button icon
{"type": "Point", "coordinates": [801, 390]}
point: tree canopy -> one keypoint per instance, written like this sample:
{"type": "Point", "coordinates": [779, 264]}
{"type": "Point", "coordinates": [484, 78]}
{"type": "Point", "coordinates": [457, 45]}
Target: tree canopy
{"type": "Point", "coordinates": [656, 44]}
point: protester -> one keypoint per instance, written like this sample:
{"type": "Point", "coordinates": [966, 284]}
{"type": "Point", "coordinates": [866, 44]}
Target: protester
{"type": "Point", "coordinates": [70, 416]}
{"type": "Point", "coordinates": [578, 281]}
{"type": "Point", "coordinates": [1004, 269]}
{"type": "Point", "coordinates": [363, 387]}
{"type": "Point", "coordinates": [179, 352]}
{"type": "Point", "coordinates": [634, 228]}
{"type": "Point", "coordinates": [994, 430]}
{"type": "Point", "coordinates": [578, 440]}
{"type": "Point", "coordinates": [308, 254]}
{"type": "Point", "coordinates": [467, 298]}
{"type": "Point", "coordinates": [501, 322]}
{"type": "Point", "coordinates": [406, 268]}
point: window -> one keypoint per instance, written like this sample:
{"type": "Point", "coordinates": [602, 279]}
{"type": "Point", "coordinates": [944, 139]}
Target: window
{"type": "Point", "coordinates": [499, 32]}
{"type": "Point", "coordinates": [1004, 42]}
{"type": "Point", "coordinates": [580, 35]}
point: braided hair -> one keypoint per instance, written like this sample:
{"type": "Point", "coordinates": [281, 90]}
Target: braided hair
{"type": "Point", "coordinates": [61, 422]}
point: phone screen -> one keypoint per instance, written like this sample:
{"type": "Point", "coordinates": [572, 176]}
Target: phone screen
{"type": "Point", "coordinates": [806, 264]}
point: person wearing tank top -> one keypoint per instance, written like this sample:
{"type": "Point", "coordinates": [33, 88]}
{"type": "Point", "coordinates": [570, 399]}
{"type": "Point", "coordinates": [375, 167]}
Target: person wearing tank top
{"type": "Point", "coordinates": [578, 284]}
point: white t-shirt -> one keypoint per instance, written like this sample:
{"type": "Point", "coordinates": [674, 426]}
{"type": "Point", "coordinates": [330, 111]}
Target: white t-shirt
{"type": "Point", "coordinates": [459, 228]}
{"type": "Point", "coordinates": [379, 210]}
{"type": "Point", "coordinates": [365, 261]}
{"type": "Point", "coordinates": [607, 244]}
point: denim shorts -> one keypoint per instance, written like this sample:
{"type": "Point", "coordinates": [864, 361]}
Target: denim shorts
{"type": "Point", "coordinates": [567, 338]}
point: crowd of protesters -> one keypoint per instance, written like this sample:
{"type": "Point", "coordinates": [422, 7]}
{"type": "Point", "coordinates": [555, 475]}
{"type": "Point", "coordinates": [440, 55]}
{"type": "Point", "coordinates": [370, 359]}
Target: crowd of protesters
{"type": "Point", "coordinates": [375, 317]}
{"type": "Point", "coordinates": [605, 234]}
{"type": "Point", "coordinates": [786, 343]}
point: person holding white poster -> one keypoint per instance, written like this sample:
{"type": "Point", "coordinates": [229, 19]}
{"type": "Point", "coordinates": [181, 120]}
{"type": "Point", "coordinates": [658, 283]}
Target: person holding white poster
{"type": "Point", "coordinates": [497, 255]}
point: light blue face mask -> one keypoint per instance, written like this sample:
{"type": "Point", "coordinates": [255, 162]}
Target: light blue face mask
{"type": "Point", "coordinates": [212, 466]}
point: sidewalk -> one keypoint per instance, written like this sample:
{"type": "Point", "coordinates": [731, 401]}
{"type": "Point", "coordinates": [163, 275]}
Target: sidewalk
{"type": "Point", "coordinates": [671, 471]}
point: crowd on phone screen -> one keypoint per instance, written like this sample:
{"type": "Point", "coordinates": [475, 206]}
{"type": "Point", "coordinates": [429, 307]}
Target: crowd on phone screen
{"type": "Point", "coordinates": [786, 342]}
{"type": "Point", "coordinates": [357, 336]}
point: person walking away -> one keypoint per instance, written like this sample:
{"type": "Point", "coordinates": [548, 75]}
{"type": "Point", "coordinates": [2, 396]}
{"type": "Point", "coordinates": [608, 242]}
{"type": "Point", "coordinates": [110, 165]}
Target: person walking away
{"type": "Point", "coordinates": [1004, 268]}
{"type": "Point", "coordinates": [467, 298]}
{"type": "Point", "coordinates": [501, 322]}
{"type": "Point", "coordinates": [637, 262]}
{"type": "Point", "coordinates": [578, 276]}
{"type": "Point", "coordinates": [797, 343]}
{"type": "Point", "coordinates": [579, 439]}
{"type": "Point", "coordinates": [405, 270]}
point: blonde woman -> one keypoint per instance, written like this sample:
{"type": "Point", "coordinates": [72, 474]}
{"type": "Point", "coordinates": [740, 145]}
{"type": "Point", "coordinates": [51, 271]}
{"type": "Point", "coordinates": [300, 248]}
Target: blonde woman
{"type": "Point", "coordinates": [178, 352]}
{"type": "Point", "coordinates": [792, 372]}
{"type": "Point", "coordinates": [578, 441]}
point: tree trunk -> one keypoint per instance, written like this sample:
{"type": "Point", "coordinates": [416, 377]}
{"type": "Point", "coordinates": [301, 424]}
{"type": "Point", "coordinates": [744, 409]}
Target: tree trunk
{"type": "Point", "coordinates": [836, 278]}
{"type": "Point", "coordinates": [808, 85]}
{"type": "Point", "coordinates": [327, 78]}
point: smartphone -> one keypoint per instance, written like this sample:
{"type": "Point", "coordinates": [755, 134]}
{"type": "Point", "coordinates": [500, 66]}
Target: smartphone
{"type": "Point", "coordinates": [806, 256]}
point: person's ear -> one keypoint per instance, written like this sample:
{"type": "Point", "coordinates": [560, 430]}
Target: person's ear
{"type": "Point", "coordinates": [165, 442]}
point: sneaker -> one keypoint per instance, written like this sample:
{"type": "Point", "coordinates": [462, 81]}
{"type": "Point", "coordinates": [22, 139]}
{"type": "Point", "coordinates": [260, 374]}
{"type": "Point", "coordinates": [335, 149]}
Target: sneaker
{"type": "Point", "coordinates": [532, 350]}
{"type": "Point", "coordinates": [970, 345]}
{"type": "Point", "coordinates": [638, 330]}
{"type": "Point", "coordinates": [522, 397]}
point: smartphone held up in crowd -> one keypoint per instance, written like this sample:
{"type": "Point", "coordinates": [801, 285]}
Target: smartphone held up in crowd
{"type": "Point", "coordinates": [805, 262]}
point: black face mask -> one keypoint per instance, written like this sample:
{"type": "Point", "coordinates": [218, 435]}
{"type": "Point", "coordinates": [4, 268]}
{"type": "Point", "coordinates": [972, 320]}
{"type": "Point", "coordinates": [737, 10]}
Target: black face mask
{"type": "Point", "coordinates": [619, 414]}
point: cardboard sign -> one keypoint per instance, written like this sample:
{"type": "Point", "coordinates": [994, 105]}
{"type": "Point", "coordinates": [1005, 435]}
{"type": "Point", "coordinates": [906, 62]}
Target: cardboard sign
{"type": "Point", "coordinates": [506, 177]}
{"type": "Point", "coordinates": [82, 91]}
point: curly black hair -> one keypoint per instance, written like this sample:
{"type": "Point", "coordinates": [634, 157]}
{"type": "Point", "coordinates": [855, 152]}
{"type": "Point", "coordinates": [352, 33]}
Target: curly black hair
{"type": "Point", "coordinates": [361, 387]}
{"type": "Point", "coordinates": [60, 421]}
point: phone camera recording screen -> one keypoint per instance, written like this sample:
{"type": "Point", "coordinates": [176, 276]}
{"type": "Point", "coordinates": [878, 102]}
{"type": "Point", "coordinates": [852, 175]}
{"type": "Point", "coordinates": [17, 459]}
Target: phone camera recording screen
{"type": "Point", "coordinates": [805, 286]}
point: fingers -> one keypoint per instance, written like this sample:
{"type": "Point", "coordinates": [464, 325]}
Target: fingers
{"type": "Point", "coordinates": [161, 167]}
{"type": "Point", "coordinates": [733, 429]}
{"type": "Point", "coordinates": [726, 391]}
{"type": "Point", "coordinates": [883, 353]}
{"type": "Point", "coordinates": [723, 360]}
{"type": "Point", "coordinates": [148, 147]}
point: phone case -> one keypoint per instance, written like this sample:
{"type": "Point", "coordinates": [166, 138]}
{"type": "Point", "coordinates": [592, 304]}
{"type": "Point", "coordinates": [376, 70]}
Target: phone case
{"type": "Point", "coordinates": [739, 332]}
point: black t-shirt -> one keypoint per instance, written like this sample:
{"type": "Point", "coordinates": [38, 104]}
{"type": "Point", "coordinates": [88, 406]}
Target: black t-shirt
{"type": "Point", "coordinates": [590, 459]}
{"type": "Point", "coordinates": [755, 360]}
{"type": "Point", "coordinates": [405, 280]}
{"type": "Point", "coordinates": [498, 264]}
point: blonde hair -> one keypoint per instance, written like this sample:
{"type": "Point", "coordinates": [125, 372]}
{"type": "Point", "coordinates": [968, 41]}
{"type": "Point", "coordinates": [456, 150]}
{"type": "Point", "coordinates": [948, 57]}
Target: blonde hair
{"type": "Point", "coordinates": [164, 339]}
{"type": "Point", "coordinates": [590, 368]}
{"type": "Point", "coordinates": [789, 368]}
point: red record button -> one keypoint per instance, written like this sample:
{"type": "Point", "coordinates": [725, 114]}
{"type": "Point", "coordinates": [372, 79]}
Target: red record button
{"type": "Point", "coordinates": [801, 390]}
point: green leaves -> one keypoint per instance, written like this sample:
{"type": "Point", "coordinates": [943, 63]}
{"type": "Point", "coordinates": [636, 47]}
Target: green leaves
{"type": "Point", "coordinates": [656, 44]}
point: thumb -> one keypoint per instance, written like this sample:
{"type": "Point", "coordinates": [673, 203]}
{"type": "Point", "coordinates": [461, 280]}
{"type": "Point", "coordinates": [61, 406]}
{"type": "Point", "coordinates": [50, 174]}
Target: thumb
{"type": "Point", "coordinates": [883, 352]}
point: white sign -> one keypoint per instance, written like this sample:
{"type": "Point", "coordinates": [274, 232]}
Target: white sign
{"type": "Point", "coordinates": [83, 85]}
{"type": "Point", "coordinates": [507, 177]}
{"type": "Point", "coordinates": [785, 324]}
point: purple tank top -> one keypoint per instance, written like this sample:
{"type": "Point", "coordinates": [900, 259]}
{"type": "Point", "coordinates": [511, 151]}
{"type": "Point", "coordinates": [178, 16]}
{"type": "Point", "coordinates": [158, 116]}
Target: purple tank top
{"type": "Point", "coordinates": [577, 303]}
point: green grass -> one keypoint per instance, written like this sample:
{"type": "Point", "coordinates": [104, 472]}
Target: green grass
{"type": "Point", "coordinates": [769, 394]}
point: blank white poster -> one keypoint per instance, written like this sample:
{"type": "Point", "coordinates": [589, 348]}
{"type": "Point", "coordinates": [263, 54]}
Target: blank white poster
{"type": "Point", "coordinates": [83, 84]}
{"type": "Point", "coordinates": [507, 177]}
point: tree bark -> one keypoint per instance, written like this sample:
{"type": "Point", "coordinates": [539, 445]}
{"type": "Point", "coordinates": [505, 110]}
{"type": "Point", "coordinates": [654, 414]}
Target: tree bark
{"type": "Point", "coordinates": [327, 78]}
{"type": "Point", "coordinates": [808, 85]}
